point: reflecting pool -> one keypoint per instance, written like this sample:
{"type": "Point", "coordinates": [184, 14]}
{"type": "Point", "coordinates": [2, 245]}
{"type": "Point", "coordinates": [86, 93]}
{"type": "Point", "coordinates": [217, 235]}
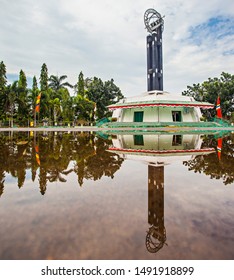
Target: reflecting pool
{"type": "Point", "coordinates": [118, 196]}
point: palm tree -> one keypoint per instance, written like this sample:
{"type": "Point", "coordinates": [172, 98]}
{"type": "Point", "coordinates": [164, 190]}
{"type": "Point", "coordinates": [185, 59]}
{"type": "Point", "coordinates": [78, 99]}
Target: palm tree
{"type": "Point", "coordinates": [57, 86]}
{"type": "Point", "coordinates": [56, 107]}
{"type": "Point", "coordinates": [56, 83]}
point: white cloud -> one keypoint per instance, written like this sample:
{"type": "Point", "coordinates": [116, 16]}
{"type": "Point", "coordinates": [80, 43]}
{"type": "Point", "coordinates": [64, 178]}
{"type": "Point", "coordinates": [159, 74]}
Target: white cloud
{"type": "Point", "coordinates": [106, 38]}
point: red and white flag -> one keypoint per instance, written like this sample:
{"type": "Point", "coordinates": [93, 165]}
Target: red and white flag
{"type": "Point", "coordinates": [218, 108]}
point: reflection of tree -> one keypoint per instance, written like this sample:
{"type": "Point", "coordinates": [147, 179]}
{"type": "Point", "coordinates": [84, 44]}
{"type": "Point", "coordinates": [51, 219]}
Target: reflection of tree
{"type": "Point", "coordinates": [102, 163]}
{"type": "Point", "coordinates": [84, 148]}
{"type": "Point", "coordinates": [42, 180]}
{"type": "Point", "coordinates": [2, 159]}
{"type": "Point", "coordinates": [211, 165]}
{"type": "Point", "coordinates": [15, 154]}
{"type": "Point", "coordinates": [93, 161]}
{"type": "Point", "coordinates": [60, 154]}
{"type": "Point", "coordinates": [58, 159]}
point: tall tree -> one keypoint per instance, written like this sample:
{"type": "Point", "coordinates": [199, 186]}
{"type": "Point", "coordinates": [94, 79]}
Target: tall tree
{"type": "Point", "coordinates": [3, 78]}
{"type": "Point", "coordinates": [33, 96]}
{"type": "Point", "coordinates": [56, 107]}
{"type": "Point", "coordinates": [10, 101]}
{"type": "Point", "coordinates": [66, 105]}
{"type": "Point", "coordinates": [58, 91]}
{"type": "Point", "coordinates": [3, 83]}
{"type": "Point", "coordinates": [44, 77]}
{"type": "Point", "coordinates": [45, 95]}
{"type": "Point", "coordinates": [34, 84]}
{"type": "Point", "coordinates": [22, 99]}
{"type": "Point", "coordinates": [22, 83]}
{"type": "Point", "coordinates": [81, 85]}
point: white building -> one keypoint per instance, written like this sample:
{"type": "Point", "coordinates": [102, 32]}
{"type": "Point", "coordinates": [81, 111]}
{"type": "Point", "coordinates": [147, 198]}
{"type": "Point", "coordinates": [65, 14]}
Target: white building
{"type": "Point", "coordinates": [157, 107]}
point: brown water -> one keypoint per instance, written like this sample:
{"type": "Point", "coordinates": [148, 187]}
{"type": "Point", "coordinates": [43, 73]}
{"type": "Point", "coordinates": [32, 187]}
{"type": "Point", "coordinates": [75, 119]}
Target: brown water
{"type": "Point", "coordinates": [79, 196]}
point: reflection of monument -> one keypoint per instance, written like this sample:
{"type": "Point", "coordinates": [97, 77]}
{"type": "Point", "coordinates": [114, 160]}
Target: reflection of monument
{"type": "Point", "coordinates": [157, 151]}
{"type": "Point", "coordinates": [156, 235]}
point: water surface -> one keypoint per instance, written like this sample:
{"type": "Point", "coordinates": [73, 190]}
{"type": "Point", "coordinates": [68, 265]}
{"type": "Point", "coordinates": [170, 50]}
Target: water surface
{"type": "Point", "coordinates": [86, 196]}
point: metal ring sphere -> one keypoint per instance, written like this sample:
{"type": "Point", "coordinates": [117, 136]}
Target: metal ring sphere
{"type": "Point", "coordinates": [153, 21]}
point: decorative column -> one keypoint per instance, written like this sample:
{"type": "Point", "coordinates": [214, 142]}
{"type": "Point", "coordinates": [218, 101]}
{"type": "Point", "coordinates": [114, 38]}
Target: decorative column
{"type": "Point", "coordinates": [154, 24]}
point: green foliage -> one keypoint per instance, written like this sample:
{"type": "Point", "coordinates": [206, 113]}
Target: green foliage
{"type": "Point", "coordinates": [22, 83]}
{"type": "Point", "coordinates": [56, 83]}
{"type": "Point", "coordinates": [83, 108]}
{"type": "Point", "coordinates": [80, 85]}
{"type": "Point", "coordinates": [67, 111]}
{"type": "Point", "coordinates": [56, 107]}
{"type": "Point", "coordinates": [3, 78]}
{"type": "Point", "coordinates": [10, 102]}
{"type": "Point", "coordinates": [17, 102]}
{"type": "Point", "coordinates": [209, 90]}
{"type": "Point", "coordinates": [103, 94]}
{"type": "Point", "coordinates": [44, 77]}
{"type": "Point", "coordinates": [210, 164]}
{"type": "Point", "coordinates": [22, 101]}
{"type": "Point", "coordinates": [34, 84]}
{"type": "Point", "coordinates": [3, 83]}
{"type": "Point", "coordinates": [33, 93]}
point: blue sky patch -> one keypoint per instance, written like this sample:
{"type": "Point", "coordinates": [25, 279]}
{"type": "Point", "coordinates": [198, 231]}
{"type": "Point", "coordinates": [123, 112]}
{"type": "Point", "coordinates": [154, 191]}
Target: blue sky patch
{"type": "Point", "coordinates": [213, 29]}
{"type": "Point", "coordinates": [15, 77]}
{"type": "Point", "coordinates": [228, 52]}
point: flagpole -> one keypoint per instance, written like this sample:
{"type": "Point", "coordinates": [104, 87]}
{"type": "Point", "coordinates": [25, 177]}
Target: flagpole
{"type": "Point", "coordinates": [35, 117]}
{"type": "Point", "coordinates": [218, 108]}
{"type": "Point", "coordinates": [37, 108]}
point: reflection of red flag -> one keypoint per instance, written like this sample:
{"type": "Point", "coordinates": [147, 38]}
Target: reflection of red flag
{"type": "Point", "coordinates": [218, 108]}
{"type": "Point", "coordinates": [37, 108]}
{"type": "Point", "coordinates": [37, 155]}
{"type": "Point", "coordinates": [219, 147]}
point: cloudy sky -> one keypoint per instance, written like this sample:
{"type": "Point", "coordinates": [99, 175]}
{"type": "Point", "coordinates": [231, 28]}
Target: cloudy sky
{"type": "Point", "coordinates": [106, 38]}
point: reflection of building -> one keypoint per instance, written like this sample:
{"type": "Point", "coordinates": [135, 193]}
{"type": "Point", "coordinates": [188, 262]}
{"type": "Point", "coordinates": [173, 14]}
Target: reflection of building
{"type": "Point", "coordinates": [157, 151]}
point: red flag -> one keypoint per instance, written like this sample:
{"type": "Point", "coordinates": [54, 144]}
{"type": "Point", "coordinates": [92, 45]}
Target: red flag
{"type": "Point", "coordinates": [219, 147]}
{"type": "Point", "coordinates": [37, 108]}
{"type": "Point", "coordinates": [218, 108]}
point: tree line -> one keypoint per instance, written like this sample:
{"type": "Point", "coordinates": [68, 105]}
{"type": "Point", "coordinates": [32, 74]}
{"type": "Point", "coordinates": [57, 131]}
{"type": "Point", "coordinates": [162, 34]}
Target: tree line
{"type": "Point", "coordinates": [211, 165]}
{"type": "Point", "coordinates": [88, 103]}
{"type": "Point", "coordinates": [87, 153]}
{"type": "Point", "coordinates": [209, 90]}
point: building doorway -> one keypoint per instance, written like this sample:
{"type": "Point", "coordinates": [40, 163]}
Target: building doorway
{"type": "Point", "coordinates": [176, 116]}
{"type": "Point", "coordinates": [138, 116]}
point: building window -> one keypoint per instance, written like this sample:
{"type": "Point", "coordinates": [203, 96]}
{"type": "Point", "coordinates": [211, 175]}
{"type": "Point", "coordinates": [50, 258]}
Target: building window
{"type": "Point", "coordinates": [176, 116]}
{"type": "Point", "coordinates": [138, 116]}
{"type": "Point", "coordinates": [177, 140]}
{"type": "Point", "coordinates": [138, 140]}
